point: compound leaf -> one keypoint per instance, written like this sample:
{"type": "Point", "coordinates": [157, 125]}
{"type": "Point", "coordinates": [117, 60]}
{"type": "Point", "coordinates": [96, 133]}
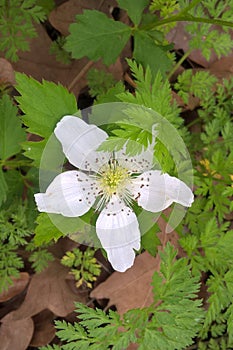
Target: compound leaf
{"type": "Point", "coordinates": [134, 8]}
{"type": "Point", "coordinates": [148, 53]}
{"type": "Point", "coordinates": [105, 37]}
{"type": "Point", "coordinates": [43, 104]}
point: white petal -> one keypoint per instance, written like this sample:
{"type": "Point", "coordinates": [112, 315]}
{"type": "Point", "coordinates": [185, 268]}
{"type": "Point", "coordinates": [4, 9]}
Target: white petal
{"type": "Point", "coordinates": [178, 191]}
{"type": "Point", "coordinates": [140, 162]}
{"type": "Point", "coordinates": [136, 164]}
{"type": "Point", "coordinates": [118, 230]}
{"type": "Point", "coordinates": [80, 141]}
{"type": "Point", "coordinates": [155, 191]}
{"type": "Point", "coordinates": [71, 194]}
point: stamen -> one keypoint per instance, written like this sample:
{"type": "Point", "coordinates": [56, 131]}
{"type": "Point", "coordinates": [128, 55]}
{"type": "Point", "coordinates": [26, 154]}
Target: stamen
{"type": "Point", "coordinates": [113, 180]}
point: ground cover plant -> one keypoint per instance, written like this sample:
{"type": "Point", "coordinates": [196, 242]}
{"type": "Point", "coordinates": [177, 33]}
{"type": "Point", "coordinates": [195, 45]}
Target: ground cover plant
{"type": "Point", "coordinates": [116, 169]}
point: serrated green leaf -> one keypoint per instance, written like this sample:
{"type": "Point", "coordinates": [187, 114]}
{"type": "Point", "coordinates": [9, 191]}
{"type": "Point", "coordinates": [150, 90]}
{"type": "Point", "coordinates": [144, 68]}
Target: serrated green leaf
{"type": "Point", "coordinates": [11, 132]}
{"type": "Point", "coordinates": [134, 8]}
{"type": "Point", "coordinates": [34, 150]}
{"type": "Point", "coordinates": [148, 53]}
{"type": "Point", "coordinates": [46, 230]}
{"type": "Point", "coordinates": [97, 36]}
{"type": "Point", "coordinates": [112, 144]}
{"type": "Point", "coordinates": [43, 104]}
{"type": "Point", "coordinates": [54, 226]}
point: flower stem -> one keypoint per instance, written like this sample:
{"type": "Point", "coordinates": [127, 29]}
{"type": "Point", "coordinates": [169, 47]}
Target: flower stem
{"type": "Point", "coordinates": [179, 63]}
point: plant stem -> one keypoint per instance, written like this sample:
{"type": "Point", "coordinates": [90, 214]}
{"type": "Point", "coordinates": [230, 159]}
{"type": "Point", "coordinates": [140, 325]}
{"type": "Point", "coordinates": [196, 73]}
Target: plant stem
{"type": "Point", "coordinates": [195, 121]}
{"type": "Point", "coordinates": [80, 74]}
{"type": "Point", "coordinates": [188, 18]}
{"type": "Point", "coordinates": [179, 63]}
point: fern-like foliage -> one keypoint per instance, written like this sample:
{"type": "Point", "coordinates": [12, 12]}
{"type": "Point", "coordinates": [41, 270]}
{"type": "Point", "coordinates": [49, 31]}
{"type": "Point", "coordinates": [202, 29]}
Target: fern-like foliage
{"type": "Point", "coordinates": [198, 84]}
{"type": "Point", "coordinates": [209, 242]}
{"type": "Point", "coordinates": [140, 125]}
{"type": "Point", "coordinates": [14, 233]}
{"type": "Point", "coordinates": [39, 257]}
{"type": "Point", "coordinates": [10, 263]}
{"type": "Point", "coordinates": [16, 25]}
{"type": "Point", "coordinates": [154, 93]}
{"type": "Point", "coordinates": [166, 10]}
{"type": "Point", "coordinates": [83, 266]}
{"type": "Point", "coordinates": [170, 323]}
{"type": "Point", "coordinates": [210, 252]}
{"type": "Point", "coordinates": [204, 36]}
{"type": "Point", "coordinates": [13, 225]}
{"type": "Point", "coordinates": [99, 82]}
{"type": "Point", "coordinates": [213, 154]}
{"type": "Point", "coordinates": [57, 49]}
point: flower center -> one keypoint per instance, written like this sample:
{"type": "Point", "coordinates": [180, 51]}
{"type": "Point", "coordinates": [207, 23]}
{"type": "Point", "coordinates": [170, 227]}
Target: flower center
{"type": "Point", "coordinates": [113, 178]}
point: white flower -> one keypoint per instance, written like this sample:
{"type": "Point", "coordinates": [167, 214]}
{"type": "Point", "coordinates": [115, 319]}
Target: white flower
{"type": "Point", "coordinates": [111, 182]}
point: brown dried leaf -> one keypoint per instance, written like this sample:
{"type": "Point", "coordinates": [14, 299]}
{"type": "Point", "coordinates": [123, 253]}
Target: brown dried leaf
{"type": "Point", "coordinates": [49, 290]}
{"type": "Point", "coordinates": [223, 68]}
{"type": "Point", "coordinates": [132, 289]}
{"type": "Point", "coordinates": [44, 329]}
{"type": "Point", "coordinates": [40, 64]}
{"type": "Point", "coordinates": [15, 334]}
{"type": "Point", "coordinates": [62, 16]}
{"type": "Point", "coordinates": [19, 284]}
{"type": "Point", "coordinates": [7, 75]}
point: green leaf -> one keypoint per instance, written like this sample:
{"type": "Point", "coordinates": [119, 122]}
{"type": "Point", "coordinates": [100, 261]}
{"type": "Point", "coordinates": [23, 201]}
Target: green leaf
{"type": "Point", "coordinates": [10, 264]}
{"type": "Point", "coordinates": [57, 49]}
{"type": "Point", "coordinates": [45, 231]}
{"type": "Point", "coordinates": [99, 82]}
{"type": "Point", "coordinates": [15, 184]}
{"type": "Point", "coordinates": [34, 150]}
{"type": "Point", "coordinates": [43, 104]}
{"type": "Point", "coordinates": [111, 94]}
{"type": "Point", "coordinates": [11, 132]}
{"type": "Point", "coordinates": [134, 8]}
{"type": "Point", "coordinates": [97, 36]}
{"type": "Point", "coordinates": [16, 25]}
{"type": "Point", "coordinates": [47, 5]}
{"type": "Point", "coordinates": [54, 226]}
{"type": "Point", "coordinates": [40, 259]}
{"type": "Point", "coordinates": [150, 241]}
{"type": "Point", "coordinates": [3, 187]}
{"type": "Point", "coordinates": [148, 53]}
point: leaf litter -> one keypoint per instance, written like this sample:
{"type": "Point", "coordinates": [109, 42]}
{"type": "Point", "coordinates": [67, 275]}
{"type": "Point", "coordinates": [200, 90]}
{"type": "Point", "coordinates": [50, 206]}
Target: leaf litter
{"type": "Point", "coordinates": [132, 289]}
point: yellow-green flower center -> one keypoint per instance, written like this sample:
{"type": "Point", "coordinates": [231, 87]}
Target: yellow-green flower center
{"type": "Point", "coordinates": [113, 179]}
